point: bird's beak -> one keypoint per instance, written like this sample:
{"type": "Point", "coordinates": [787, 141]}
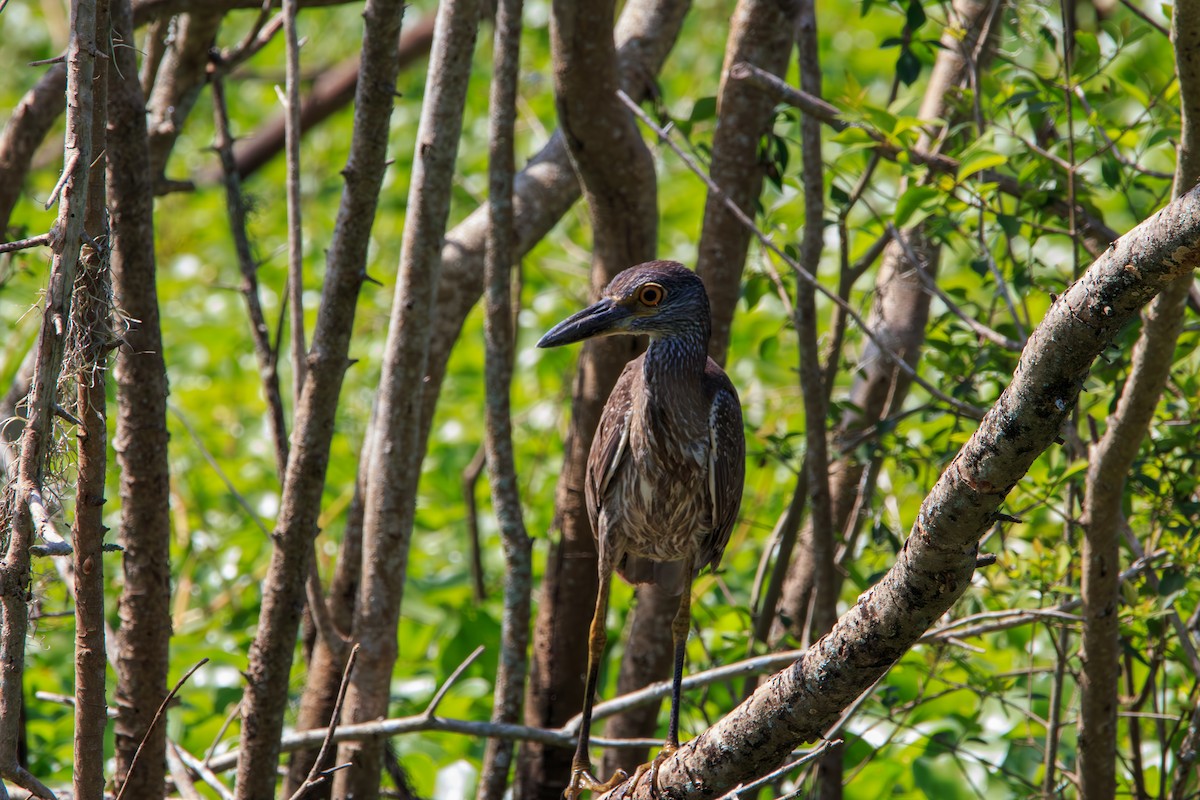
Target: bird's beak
{"type": "Point", "coordinates": [603, 317]}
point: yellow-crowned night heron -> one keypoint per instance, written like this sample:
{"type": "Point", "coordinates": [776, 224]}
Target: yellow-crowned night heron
{"type": "Point", "coordinates": [664, 476]}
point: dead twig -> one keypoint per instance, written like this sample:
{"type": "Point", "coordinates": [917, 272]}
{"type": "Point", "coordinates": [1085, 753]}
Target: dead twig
{"type": "Point", "coordinates": [316, 775]}
{"type": "Point", "coordinates": [157, 716]}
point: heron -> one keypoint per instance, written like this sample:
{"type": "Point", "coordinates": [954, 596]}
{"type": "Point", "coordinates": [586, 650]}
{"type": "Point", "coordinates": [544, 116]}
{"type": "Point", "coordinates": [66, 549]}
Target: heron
{"type": "Point", "coordinates": [666, 468]}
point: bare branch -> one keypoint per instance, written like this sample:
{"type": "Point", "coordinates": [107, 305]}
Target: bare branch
{"type": "Point", "coordinates": [265, 354]}
{"type": "Point", "coordinates": [91, 341]}
{"type": "Point", "coordinates": [557, 737]}
{"type": "Point", "coordinates": [395, 443]}
{"type": "Point", "coordinates": [35, 439]}
{"type": "Point", "coordinates": [140, 441]}
{"type": "Point", "coordinates": [25, 244]}
{"type": "Point", "coordinates": [158, 715]}
{"type": "Point", "coordinates": [499, 345]}
{"type": "Point", "coordinates": [317, 776]}
{"type": "Point", "coordinates": [295, 238]}
{"type": "Point", "coordinates": [28, 125]}
{"type": "Point", "coordinates": [1111, 459]}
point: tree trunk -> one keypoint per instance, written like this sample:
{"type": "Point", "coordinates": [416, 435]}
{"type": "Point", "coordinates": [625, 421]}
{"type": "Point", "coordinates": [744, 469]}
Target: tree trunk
{"type": "Point", "coordinates": [140, 443]}
{"type": "Point", "coordinates": [621, 203]}
{"type": "Point", "coordinates": [395, 452]}
{"type": "Point", "coordinates": [1111, 459]}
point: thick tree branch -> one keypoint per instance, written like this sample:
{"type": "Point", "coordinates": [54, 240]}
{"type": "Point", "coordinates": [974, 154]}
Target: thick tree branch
{"type": "Point", "coordinates": [761, 32]}
{"type": "Point", "coordinates": [332, 90]}
{"type": "Point", "coordinates": [91, 341]}
{"type": "Point", "coordinates": [499, 344]}
{"type": "Point", "coordinates": [1111, 459]}
{"type": "Point", "coordinates": [295, 231]}
{"type": "Point", "coordinates": [180, 79]}
{"type": "Point", "coordinates": [36, 442]}
{"type": "Point", "coordinates": [394, 442]}
{"type": "Point", "coordinates": [140, 442]}
{"type": "Point", "coordinates": [283, 590]}
{"type": "Point", "coordinates": [936, 564]}
{"type": "Point", "coordinates": [27, 126]}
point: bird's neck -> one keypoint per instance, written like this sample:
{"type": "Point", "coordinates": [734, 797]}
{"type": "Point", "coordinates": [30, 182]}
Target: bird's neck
{"type": "Point", "coordinates": [671, 360]}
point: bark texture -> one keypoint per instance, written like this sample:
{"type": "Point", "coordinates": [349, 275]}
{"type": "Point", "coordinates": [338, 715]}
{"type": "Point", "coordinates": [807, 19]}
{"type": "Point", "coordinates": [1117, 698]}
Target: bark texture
{"type": "Point", "coordinates": [938, 559]}
{"type": "Point", "coordinates": [296, 528]}
{"type": "Point", "coordinates": [180, 79]}
{"type": "Point", "coordinates": [140, 442]}
{"type": "Point", "coordinates": [763, 33]}
{"type": "Point", "coordinates": [91, 337]}
{"type": "Point", "coordinates": [499, 335]}
{"type": "Point", "coordinates": [15, 573]}
{"type": "Point", "coordinates": [395, 441]}
{"type": "Point", "coordinates": [27, 126]}
{"type": "Point", "coordinates": [599, 134]}
{"type": "Point", "coordinates": [1111, 460]}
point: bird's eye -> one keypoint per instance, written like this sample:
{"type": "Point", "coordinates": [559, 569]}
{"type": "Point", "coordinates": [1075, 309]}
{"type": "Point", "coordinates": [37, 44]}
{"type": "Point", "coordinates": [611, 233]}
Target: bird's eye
{"type": "Point", "coordinates": [651, 294]}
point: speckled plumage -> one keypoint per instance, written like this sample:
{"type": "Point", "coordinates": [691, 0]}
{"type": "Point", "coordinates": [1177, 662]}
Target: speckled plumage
{"type": "Point", "coordinates": [665, 473]}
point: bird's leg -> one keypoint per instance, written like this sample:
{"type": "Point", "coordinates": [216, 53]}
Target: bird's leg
{"type": "Point", "coordinates": [582, 778]}
{"type": "Point", "coordinates": [680, 627]}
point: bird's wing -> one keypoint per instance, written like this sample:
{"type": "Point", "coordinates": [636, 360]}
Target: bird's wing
{"type": "Point", "coordinates": [609, 445]}
{"type": "Point", "coordinates": [726, 463]}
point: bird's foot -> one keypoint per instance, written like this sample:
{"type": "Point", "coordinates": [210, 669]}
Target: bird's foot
{"type": "Point", "coordinates": [652, 767]}
{"type": "Point", "coordinates": [582, 780]}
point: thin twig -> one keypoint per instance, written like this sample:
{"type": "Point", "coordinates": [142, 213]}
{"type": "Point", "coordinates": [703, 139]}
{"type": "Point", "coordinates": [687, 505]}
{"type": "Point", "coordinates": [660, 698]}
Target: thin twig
{"type": "Point", "coordinates": [470, 478]}
{"type": "Point", "coordinates": [259, 35]}
{"type": "Point", "coordinates": [157, 716]}
{"type": "Point", "coordinates": [203, 772]}
{"type": "Point", "coordinates": [229, 718]}
{"type": "Point", "coordinates": [317, 776]}
{"type": "Point", "coordinates": [235, 203]}
{"type": "Point", "coordinates": [295, 237]}
{"type": "Point", "coordinates": [212, 462]}
{"type": "Point", "coordinates": [771, 777]}
{"type": "Point", "coordinates": [1144, 17]}
{"type": "Point", "coordinates": [1095, 229]}
{"type": "Point", "coordinates": [558, 737]}
{"type": "Point", "coordinates": [430, 709]}
{"type": "Point", "coordinates": [67, 172]}
{"type": "Point", "coordinates": [179, 773]}
{"type": "Point", "coordinates": [981, 330]}
{"type": "Point", "coordinates": [25, 244]}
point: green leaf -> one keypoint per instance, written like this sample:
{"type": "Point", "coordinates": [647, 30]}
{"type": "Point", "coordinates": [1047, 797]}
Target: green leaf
{"type": "Point", "coordinates": [704, 108]}
{"type": "Point", "coordinates": [917, 198]}
{"type": "Point", "coordinates": [1110, 171]}
{"type": "Point", "coordinates": [978, 163]}
{"type": "Point", "coordinates": [908, 66]}
{"type": "Point", "coordinates": [1009, 224]}
{"type": "Point", "coordinates": [915, 15]}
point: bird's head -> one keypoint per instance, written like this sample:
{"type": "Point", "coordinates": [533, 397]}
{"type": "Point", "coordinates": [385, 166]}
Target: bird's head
{"type": "Point", "coordinates": [658, 298]}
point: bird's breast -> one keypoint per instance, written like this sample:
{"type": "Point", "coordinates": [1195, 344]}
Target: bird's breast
{"type": "Point", "coordinates": [659, 502]}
